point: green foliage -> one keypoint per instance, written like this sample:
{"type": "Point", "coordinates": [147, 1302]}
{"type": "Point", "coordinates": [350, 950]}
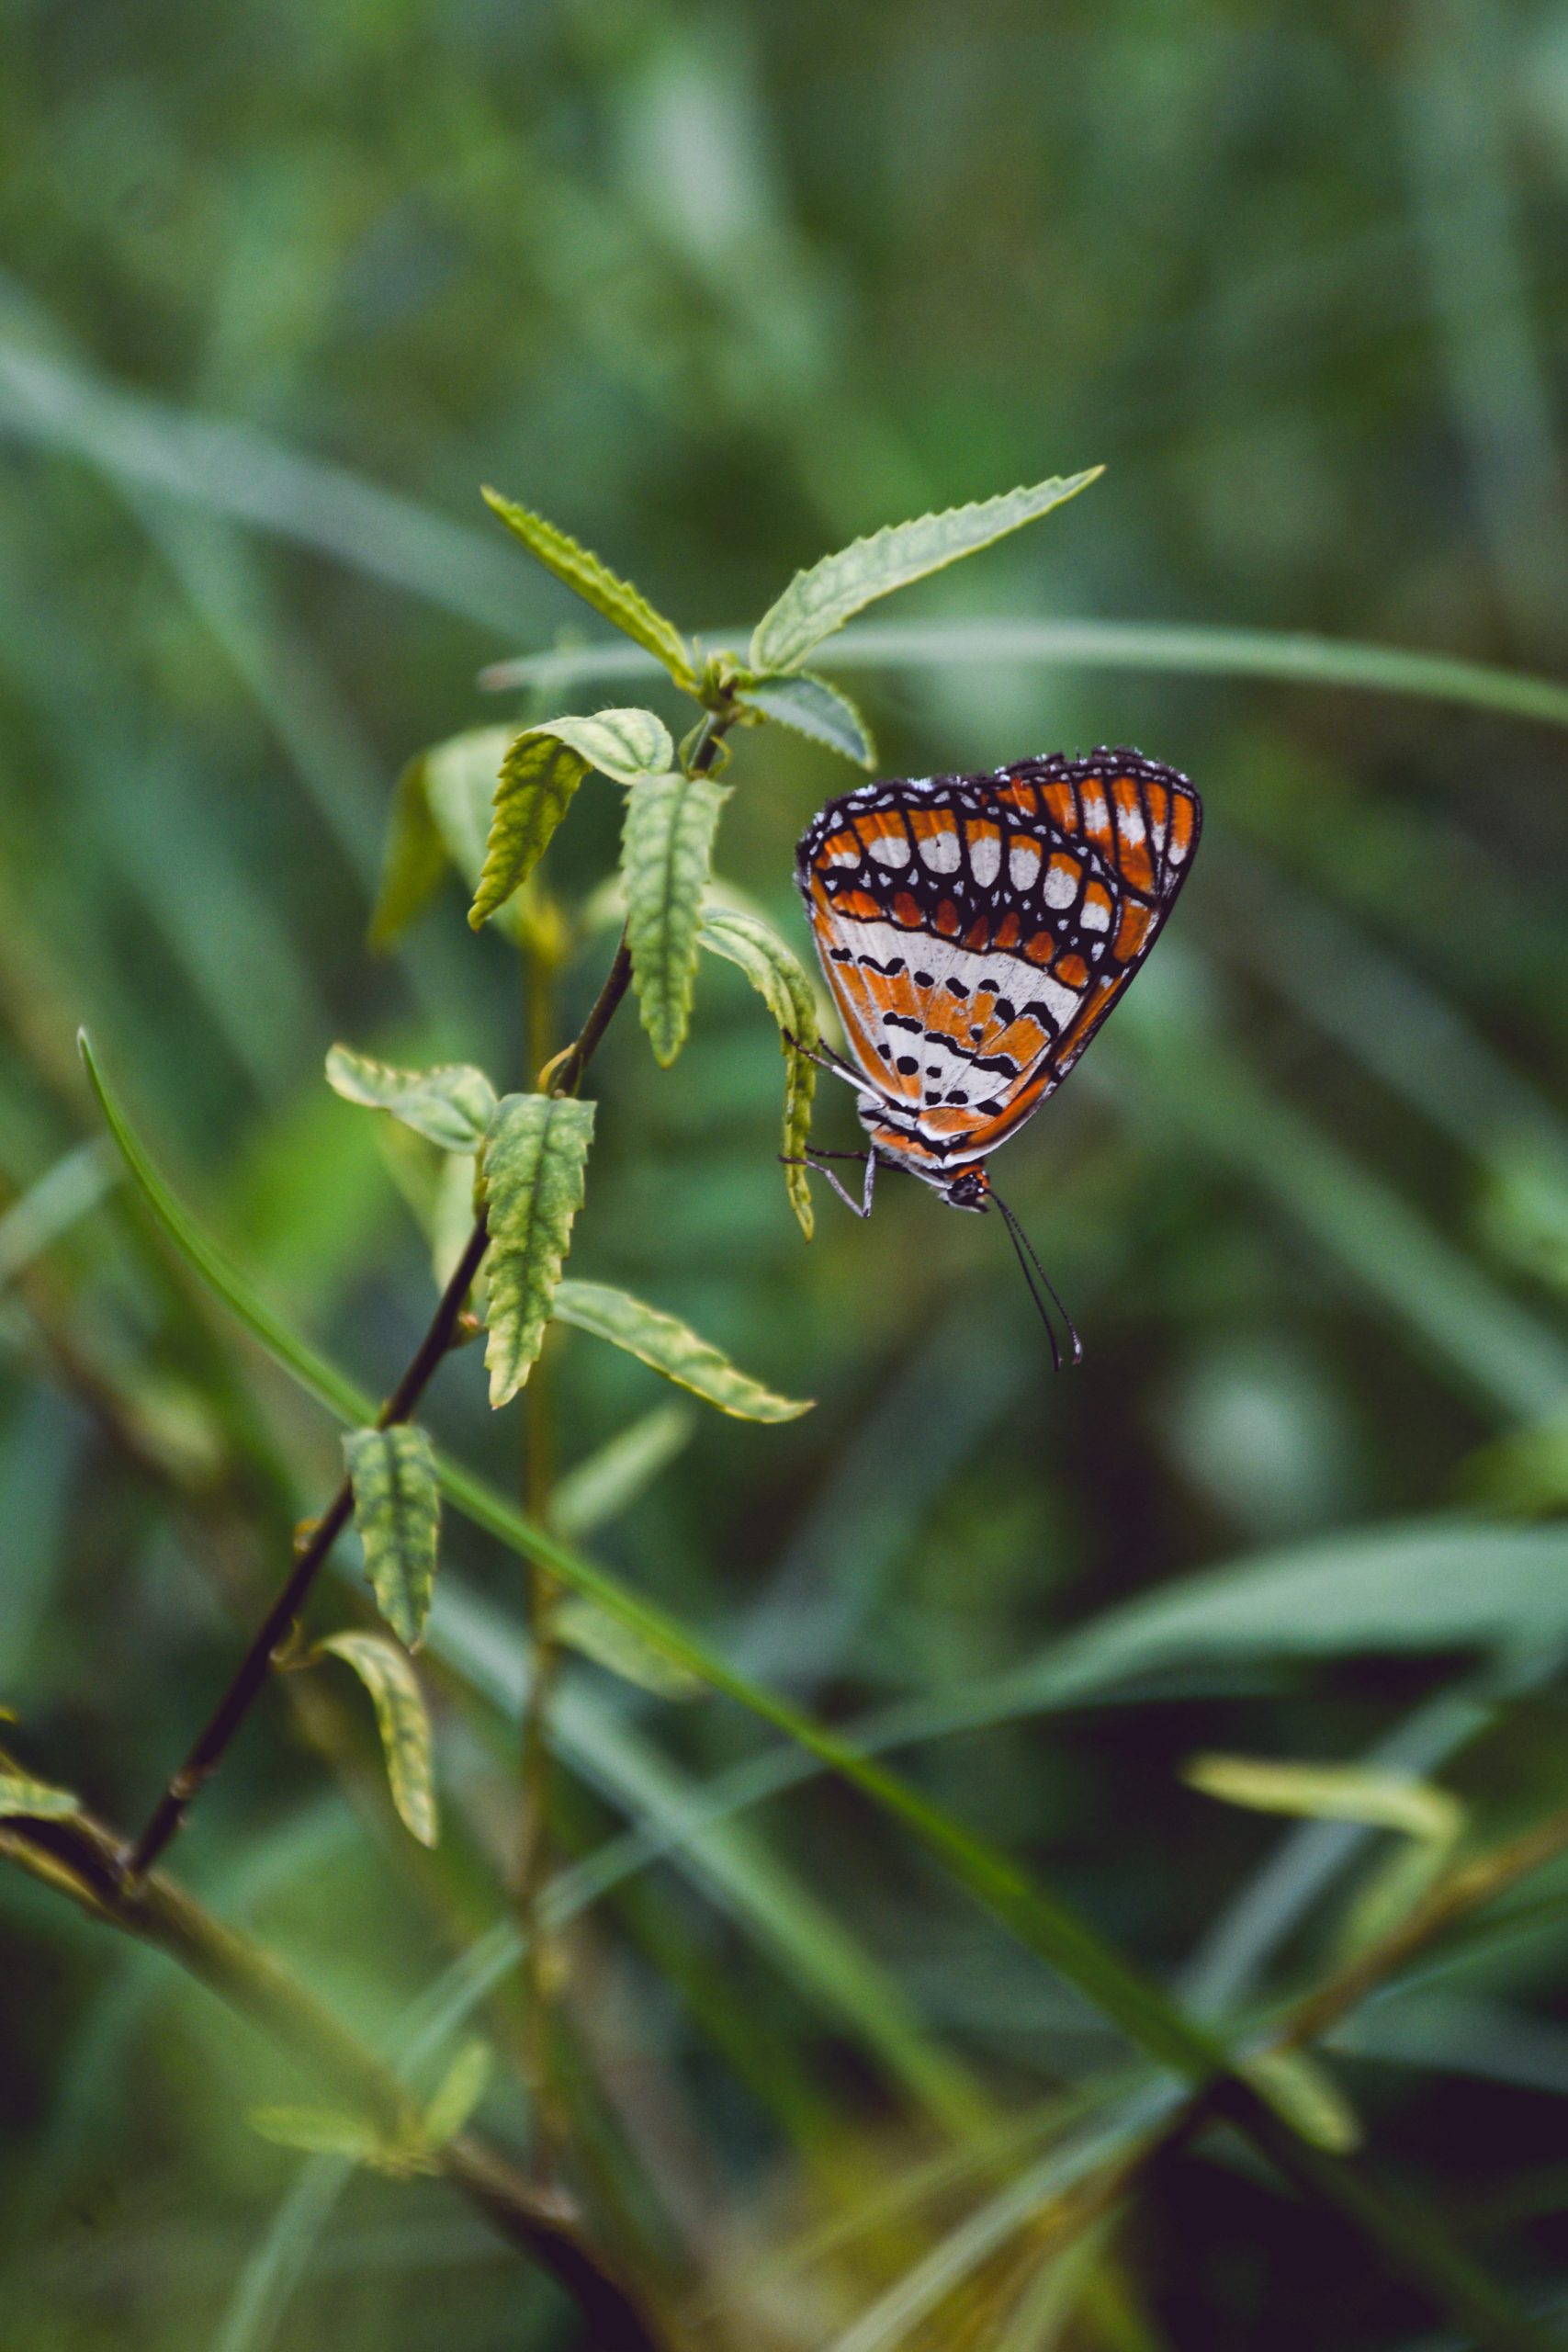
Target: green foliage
{"type": "Point", "coordinates": [609, 1481]}
{"type": "Point", "coordinates": [782, 982]}
{"type": "Point", "coordinates": [617, 600]}
{"type": "Point", "coordinates": [320, 2132]}
{"type": "Point", "coordinates": [666, 856]}
{"type": "Point", "coordinates": [828, 594]}
{"type": "Point", "coordinates": [397, 1509]}
{"type": "Point", "coordinates": [533, 1179]}
{"type": "Point", "coordinates": [1330, 1792]}
{"type": "Point", "coordinates": [452, 1105]}
{"type": "Point", "coordinates": [457, 2094]}
{"type": "Point", "coordinates": [813, 708]}
{"type": "Point", "coordinates": [440, 816]}
{"type": "Point", "coordinates": [539, 776]}
{"type": "Point", "coordinates": [584, 1626]}
{"type": "Point", "coordinates": [1305, 2095]}
{"type": "Point", "coordinates": [403, 1722]}
{"type": "Point", "coordinates": [23, 1798]}
{"type": "Point", "coordinates": [667, 1345]}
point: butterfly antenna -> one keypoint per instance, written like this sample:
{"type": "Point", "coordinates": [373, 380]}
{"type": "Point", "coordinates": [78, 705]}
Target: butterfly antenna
{"type": "Point", "coordinates": [1028, 1257]}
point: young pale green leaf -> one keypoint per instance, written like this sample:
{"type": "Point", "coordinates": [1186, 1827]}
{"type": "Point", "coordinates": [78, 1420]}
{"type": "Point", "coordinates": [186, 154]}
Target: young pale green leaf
{"type": "Point", "coordinates": [451, 1221]}
{"type": "Point", "coordinates": [1330, 1793]}
{"type": "Point", "coordinates": [666, 852]}
{"type": "Point", "coordinates": [598, 1489]}
{"type": "Point", "coordinates": [539, 775]}
{"type": "Point", "coordinates": [402, 1720]}
{"type": "Point", "coordinates": [452, 1104]}
{"type": "Point", "coordinates": [397, 1509]}
{"type": "Point", "coordinates": [23, 1799]}
{"type": "Point", "coordinates": [533, 1174]}
{"type": "Point", "coordinates": [616, 599]}
{"type": "Point", "coordinates": [822, 599]}
{"type": "Point", "coordinates": [587, 1628]}
{"type": "Point", "coordinates": [813, 707]}
{"type": "Point", "coordinates": [745, 941]}
{"type": "Point", "coordinates": [318, 2132]}
{"type": "Point", "coordinates": [413, 861]}
{"type": "Point", "coordinates": [459, 789]}
{"type": "Point", "coordinates": [457, 2094]}
{"type": "Point", "coordinates": [1304, 2094]}
{"type": "Point", "coordinates": [670, 1347]}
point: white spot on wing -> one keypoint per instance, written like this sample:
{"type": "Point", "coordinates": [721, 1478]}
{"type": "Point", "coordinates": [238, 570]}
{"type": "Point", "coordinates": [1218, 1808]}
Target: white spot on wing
{"type": "Point", "coordinates": [1096, 815]}
{"type": "Point", "coordinates": [891, 849]}
{"type": "Point", "coordinates": [1023, 862]}
{"type": "Point", "coordinates": [1061, 885]}
{"type": "Point", "coordinates": [1130, 825]}
{"type": "Point", "coordinates": [1095, 915]}
{"type": "Point", "coordinates": [940, 851]}
{"type": "Point", "coordinates": [985, 858]}
{"type": "Point", "coordinates": [849, 855]}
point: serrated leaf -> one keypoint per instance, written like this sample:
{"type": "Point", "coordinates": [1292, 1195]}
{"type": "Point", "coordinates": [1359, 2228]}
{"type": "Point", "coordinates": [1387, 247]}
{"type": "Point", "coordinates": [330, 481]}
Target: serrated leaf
{"type": "Point", "coordinates": [539, 775]}
{"type": "Point", "coordinates": [1330, 1793]}
{"type": "Point", "coordinates": [666, 853]}
{"type": "Point", "coordinates": [457, 2094]}
{"type": "Point", "coordinates": [813, 707]}
{"type": "Point", "coordinates": [531, 1176]}
{"type": "Point", "coordinates": [583, 571]}
{"type": "Point", "coordinates": [1304, 2094]}
{"type": "Point", "coordinates": [397, 1509]}
{"type": "Point", "coordinates": [780, 978]}
{"type": "Point", "coordinates": [620, 1650]}
{"type": "Point", "coordinates": [451, 1105]}
{"type": "Point", "coordinates": [319, 2132]}
{"type": "Point", "coordinates": [23, 1799]}
{"type": "Point", "coordinates": [413, 862]}
{"type": "Point", "coordinates": [670, 1347]}
{"type": "Point", "coordinates": [610, 1480]}
{"type": "Point", "coordinates": [402, 1720]}
{"type": "Point", "coordinates": [823, 598]}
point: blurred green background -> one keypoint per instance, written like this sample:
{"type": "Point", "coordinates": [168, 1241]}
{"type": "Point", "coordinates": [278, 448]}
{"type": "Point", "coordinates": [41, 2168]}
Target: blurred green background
{"type": "Point", "coordinates": [719, 290]}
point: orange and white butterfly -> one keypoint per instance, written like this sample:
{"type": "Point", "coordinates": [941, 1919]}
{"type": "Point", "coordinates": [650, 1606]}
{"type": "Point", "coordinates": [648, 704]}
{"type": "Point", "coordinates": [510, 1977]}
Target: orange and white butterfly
{"type": "Point", "coordinates": [975, 931]}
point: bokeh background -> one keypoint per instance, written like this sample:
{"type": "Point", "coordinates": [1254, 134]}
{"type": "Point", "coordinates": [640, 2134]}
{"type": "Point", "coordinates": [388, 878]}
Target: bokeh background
{"type": "Point", "coordinates": [720, 289]}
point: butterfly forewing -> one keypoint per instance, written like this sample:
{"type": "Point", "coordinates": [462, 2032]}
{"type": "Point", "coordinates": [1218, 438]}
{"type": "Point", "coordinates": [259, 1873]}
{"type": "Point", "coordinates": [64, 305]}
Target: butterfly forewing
{"type": "Point", "coordinates": [975, 929]}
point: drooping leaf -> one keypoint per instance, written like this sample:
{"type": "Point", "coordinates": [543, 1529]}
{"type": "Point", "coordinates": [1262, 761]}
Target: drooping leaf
{"type": "Point", "coordinates": [598, 1489]}
{"type": "Point", "coordinates": [813, 707]}
{"type": "Point", "coordinates": [452, 1104]}
{"type": "Point", "coordinates": [319, 2132]}
{"type": "Point", "coordinates": [780, 978]}
{"type": "Point", "coordinates": [23, 1799]}
{"type": "Point", "coordinates": [1302, 2092]}
{"type": "Point", "coordinates": [585, 1627]}
{"type": "Point", "coordinates": [671, 1348]}
{"type": "Point", "coordinates": [666, 853]}
{"type": "Point", "coordinates": [582, 571]}
{"type": "Point", "coordinates": [539, 775]}
{"type": "Point", "coordinates": [403, 1722]}
{"type": "Point", "coordinates": [413, 861]}
{"type": "Point", "coordinates": [457, 2094]}
{"type": "Point", "coordinates": [397, 1509]}
{"type": "Point", "coordinates": [1330, 1793]}
{"type": "Point", "coordinates": [532, 1175]}
{"type": "Point", "coordinates": [821, 599]}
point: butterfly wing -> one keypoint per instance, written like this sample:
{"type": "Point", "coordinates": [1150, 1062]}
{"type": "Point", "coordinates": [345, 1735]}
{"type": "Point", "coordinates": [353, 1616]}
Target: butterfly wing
{"type": "Point", "coordinates": [976, 931]}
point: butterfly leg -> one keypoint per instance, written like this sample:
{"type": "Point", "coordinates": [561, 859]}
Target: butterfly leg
{"type": "Point", "coordinates": [836, 1067]}
{"type": "Point", "coordinates": [814, 1159]}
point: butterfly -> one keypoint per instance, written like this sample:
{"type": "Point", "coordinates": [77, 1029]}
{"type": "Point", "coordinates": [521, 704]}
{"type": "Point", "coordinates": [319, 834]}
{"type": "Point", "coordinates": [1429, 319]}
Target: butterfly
{"type": "Point", "coordinates": [975, 931]}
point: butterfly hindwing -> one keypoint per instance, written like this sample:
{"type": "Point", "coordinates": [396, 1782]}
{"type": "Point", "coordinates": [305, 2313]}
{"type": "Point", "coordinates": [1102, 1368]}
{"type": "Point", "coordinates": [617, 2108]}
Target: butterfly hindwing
{"type": "Point", "coordinates": [976, 931]}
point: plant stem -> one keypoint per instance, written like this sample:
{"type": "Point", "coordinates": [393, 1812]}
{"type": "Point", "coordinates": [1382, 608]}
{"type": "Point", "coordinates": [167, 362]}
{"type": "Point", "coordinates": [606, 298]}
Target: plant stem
{"type": "Point", "coordinates": [212, 1743]}
{"type": "Point", "coordinates": [81, 1858]}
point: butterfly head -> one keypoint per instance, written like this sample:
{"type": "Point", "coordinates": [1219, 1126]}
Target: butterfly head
{"type": "Point", "coordinates": [970, 1189]}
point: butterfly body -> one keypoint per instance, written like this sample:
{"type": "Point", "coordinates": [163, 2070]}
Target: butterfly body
{"type": "Point", "coordinates": [975, 931]}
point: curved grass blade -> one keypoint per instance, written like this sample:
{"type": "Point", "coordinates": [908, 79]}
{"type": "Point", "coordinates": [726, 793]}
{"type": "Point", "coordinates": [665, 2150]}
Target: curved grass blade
{"type": "Point", "coordinates": [670, 1347]}
{"type": "Point", "coordinates": [824, 597]}
{"type": "Point", "coordinates": [666, 854]}
{"type": "Point", "coordinates": [403, 1722]}
{"type": "Point", "coordinates": [582, 571]}
{"type": "Point", "coordinates": [533, 1180]}
{"type": "Point", "coordinates": [451, 1105]}
{"type": "Point", "coordinates": [780, 978]}
{"type": "Point", "coordinates": [397, 1509]}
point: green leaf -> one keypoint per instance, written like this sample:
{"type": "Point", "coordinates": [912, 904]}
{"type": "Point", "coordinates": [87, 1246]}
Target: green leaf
{"type": "Point", "coordinates": [667, 849]}
{"type": "Point", "coordinates": [319, 2132]}
{"type": "Point", "coordinates": [23, 1799]}
{"type": "Point", "coordinates": [457, 2094]}
{"type": "Point", "coordinates": [668, 1346]}
{"type": "Point", "coordinates": [402, 1720]}
{"type": "Point", "coordinates": [540, 773]}
{"type": "Point", "coordinates": [585, 1627]}
{"type": "Point", "coordinates": [413, 861]}
{"type": "Point", "coordinates": [397, 1509]}
{"type": "Point", "coordinates": [1330, 1793]}
{"type": "Point", "coordinates": [1304, 2094]}
{"type": "Point", "coordinates": [532, 1177]}
{"type": "Point", "coordinates": [617, 600]}
{"type": "Point", "coordinates": [610, 1480]}
{"type": "Point", "coordinates": [780, 978]}
{"type": "Point", "coordinates": [821, 600]}
{"type": "Point", "coordinates": [813, 707]}
{"type": "Point", "coordinates": [460, 787]}
{"type": "Point", "coordinates": [451, 1105]}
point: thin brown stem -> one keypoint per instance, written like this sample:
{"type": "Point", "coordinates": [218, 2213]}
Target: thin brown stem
{"type": "Point", "coordinates": [212, 1743]}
